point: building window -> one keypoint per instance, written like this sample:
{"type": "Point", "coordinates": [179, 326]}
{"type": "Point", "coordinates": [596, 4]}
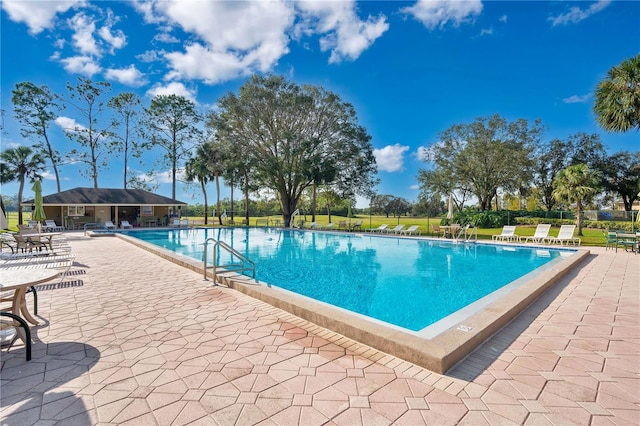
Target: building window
{"type": "Point", "coordinates": [147, 210]}
{"type": "Point", "coordinates": [75, 210]}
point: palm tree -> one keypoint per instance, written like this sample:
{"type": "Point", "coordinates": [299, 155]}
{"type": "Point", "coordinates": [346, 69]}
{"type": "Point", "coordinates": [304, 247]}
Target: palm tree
{"type": "Point", "coordinates": [577, 184]}
{"type": "Point", "coordinates": [19, 164]}
{"type": "Point", "coordinates": [197, 168]}
{"type": "Point", "coordinates": [617, 103]}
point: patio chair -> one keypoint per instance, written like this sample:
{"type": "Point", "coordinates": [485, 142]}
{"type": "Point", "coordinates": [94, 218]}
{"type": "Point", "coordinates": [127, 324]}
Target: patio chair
{"type": "Point", "coordinates": [436, 230]}
{"type": "Point", "coordinates": [124, 224]}
{"type": "Point", "coordinates": [565, 235]}
{"type": "Point", "coordinates": [342, 225]}
{"type": "Point", "coordinates": [357, 225]}
{"type": "Point", "coordinates": [542, 232]}
{"type": "Point", "coordinates": [380, 228]}
{"type": "Point", "coordinates": [508, 234]}
{"type": "Point", "coordinates": [108, 225]}
{"type": "Point", "coordinates": [51, 226]}
{"type": "Point", "coordinates": [413, 229]}
{"type": "Point", "coordinates": [329, 226]}
{"type": "Point", "coordinates": [611, 240]}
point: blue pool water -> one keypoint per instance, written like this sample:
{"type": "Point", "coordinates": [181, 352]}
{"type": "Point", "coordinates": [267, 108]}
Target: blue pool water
{"type": "Point", "coordinates": [411, 283]}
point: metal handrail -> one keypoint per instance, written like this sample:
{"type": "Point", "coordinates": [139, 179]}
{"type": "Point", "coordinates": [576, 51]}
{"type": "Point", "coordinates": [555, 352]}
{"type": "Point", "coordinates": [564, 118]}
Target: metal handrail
{"type": "Point", "coordinates": [292, 219]}
{"type": "Point", "coordinates": [464, 232]}
{"type": "Point", "coordinates": [237, 267]}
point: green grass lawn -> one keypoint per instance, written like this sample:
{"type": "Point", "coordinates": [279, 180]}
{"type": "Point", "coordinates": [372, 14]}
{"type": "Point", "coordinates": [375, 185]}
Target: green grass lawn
{"type": "Point", "coordinates": [591, 237]}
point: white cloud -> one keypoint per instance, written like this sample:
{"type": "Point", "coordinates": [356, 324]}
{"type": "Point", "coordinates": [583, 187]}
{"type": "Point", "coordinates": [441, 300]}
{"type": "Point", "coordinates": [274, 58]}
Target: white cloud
{"type": "Point", "coordinates": [69, 124]}
{"type": "Point", "coordinates": [231, 39]}
{"type": "Point", "coordinates": [390, 158]}
{"type": "Point", "coordinates": [345, 35]}
{"type": "Point", "coordinates": [84, 27]}
{"type": "Point", "coordinates": [575, 14]}
{"type": "Point", "coordinates": [437, 13]}
{"type": "Point", "coordinates": [84, 65]}
{"type": "Point", "coordinates": [503, 19]}
{"type": "Point", "coordinates": [173, 88]}
{"type": "Point", "coordinates": [37, 15]}
{"type": "Point", "coordinates": [47, 175]}
{"type": "Point", "coordinates": [129, 76]}
{"type": "Point", "coordinates": [576, 99]}
{"type": "Point", "coordinates": [166, 38]}
{"type": "Point", "coordinates": [115, 39]}
{"type": "Point", "coordinates": [486, 31]}
{"type": "Point", "coordinates": [150, 56]}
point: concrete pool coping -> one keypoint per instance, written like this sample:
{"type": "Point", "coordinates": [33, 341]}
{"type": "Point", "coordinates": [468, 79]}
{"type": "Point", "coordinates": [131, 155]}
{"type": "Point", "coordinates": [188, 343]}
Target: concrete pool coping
{"type": "Point", "coordinates": [437, 354]}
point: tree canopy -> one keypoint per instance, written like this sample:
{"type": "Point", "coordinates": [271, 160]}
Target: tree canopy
{"type": "Point", "coordinates": [172, 123]}
{"type": "Point", "coordinates": [617, 100]}
{"type": "Point", "coordinates": [576, 184]}
{"type": "Point", "coordinates": [35, 109]}
{"type": "Point", "coordinates": [482, 157]}
{"type": "Point", "coordinates": [295, 136]}
{"type": "Point", "coordinates": [20, 164]}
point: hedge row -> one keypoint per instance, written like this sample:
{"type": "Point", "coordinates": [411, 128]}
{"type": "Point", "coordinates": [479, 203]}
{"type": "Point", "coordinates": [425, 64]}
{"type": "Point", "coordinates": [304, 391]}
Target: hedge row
{"type": "Point", "coordinates": [498, 219]}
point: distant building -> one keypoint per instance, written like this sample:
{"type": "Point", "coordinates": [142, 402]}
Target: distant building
{"type": "Point", "coordinates": [75, 207]}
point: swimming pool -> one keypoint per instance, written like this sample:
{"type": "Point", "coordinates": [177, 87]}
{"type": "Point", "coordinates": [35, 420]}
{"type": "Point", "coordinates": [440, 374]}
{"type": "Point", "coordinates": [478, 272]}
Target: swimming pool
{"type": "Point", "coordinates": [407, 282]}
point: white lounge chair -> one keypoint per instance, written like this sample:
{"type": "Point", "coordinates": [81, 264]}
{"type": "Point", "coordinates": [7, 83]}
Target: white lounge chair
{"type": "Point", "coordinates": [395, 230]}
{"type": "Point", "coordinates": [508, 234]}
{"type": "Point", "coordinates": [175, 223]}
{"type": "Point", "coordinates": [542, 232]}
{"type": "Point", "coordinates": [565, 235]}
{"type": "Point", "coordinates": [380, 228]}
{"type": "Point", "coordinates": [413, 229]}
{"type": "Point", "coordinates": [51, 226]}
{"type": "Point", "coordinates": [108, 225]}
{"type": "Point", "coordinates": [124, 224]}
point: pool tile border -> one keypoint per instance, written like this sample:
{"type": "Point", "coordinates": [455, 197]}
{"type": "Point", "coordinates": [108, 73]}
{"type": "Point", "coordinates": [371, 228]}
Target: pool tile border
{"type": "Point", "coordinates": [438, 354]}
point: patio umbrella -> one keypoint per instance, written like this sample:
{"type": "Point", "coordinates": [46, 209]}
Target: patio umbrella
{"type": "Point", "coordinates": [450, 212]}
{"type": "Point", "coordinates": [38, 209]}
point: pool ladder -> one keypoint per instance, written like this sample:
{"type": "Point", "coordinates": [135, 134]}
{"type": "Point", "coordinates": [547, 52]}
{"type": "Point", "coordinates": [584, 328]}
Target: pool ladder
{"type": "Point", "coordinates": [467, 233]}
{"type": "Point", "coordinates": [244, 264]}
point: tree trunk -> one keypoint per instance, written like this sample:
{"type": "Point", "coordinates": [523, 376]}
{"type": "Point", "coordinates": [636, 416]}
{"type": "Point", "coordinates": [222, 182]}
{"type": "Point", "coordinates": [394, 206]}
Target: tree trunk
{"type": "Point", "coordinates": [218, 212]}
{"type": "Point", "coordinates": [20, 189]}
{"type": "Point", "coordinates": [314, 200]}
{"type": "Point", "coordinates": [206, 204]}
{"type": "Point", "coordinates": [246, 199]}
{"type": "Point", "coordinates": [231, 200]}
{"type": "Point", "coordinates": [288, 205]}
{"type": "Point", "coordinates": [579, 216]}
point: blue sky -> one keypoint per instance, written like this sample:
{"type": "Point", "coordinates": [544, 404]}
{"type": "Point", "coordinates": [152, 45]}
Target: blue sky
{"type": "Point", "coordinates": [411, 69]}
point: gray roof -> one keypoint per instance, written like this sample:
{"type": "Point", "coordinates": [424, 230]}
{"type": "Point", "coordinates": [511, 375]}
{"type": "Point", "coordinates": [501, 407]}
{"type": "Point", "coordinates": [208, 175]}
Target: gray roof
{"type": "Point", "coordinates": [109, 196]}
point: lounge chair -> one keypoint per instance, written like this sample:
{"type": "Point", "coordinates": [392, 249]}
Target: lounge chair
{"type": "Point", "coordinates": [329, 226]}
{"type": "Point", "coordinates": [395, 230]}
{"type": "Point", "coordinates": [413, 229]}
{"type": "Point", "coordinates": [356, 225]}
{"type": "Point", "coordinates": [50, 226]}
{"type": "Point", "coordinates": [315, 225]}
{"type": "Point", "coordinates": [184, 222]}
{"type": "Point", "coordinates": [565, 235]}
{"type": "Point", "coordinates": [380, 228]}
{"type": "Point", "coordinates": [542, 232]}
{"type": "Point", "coordinates": [175, 223]}
{"type": "Point", "coordinates": [108, 225]}
{"type": "Point", "coordinates": [124, 224]}
{"type": "Point", "coordinates": [508, 234]}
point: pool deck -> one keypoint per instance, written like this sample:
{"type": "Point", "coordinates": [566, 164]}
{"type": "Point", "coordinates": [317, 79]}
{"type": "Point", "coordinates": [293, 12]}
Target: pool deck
{"type": "Point", "coordinates": [129, 338]}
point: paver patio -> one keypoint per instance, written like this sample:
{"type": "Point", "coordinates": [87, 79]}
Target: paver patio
{"type": "Point", "coordinates": [129, 338]}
